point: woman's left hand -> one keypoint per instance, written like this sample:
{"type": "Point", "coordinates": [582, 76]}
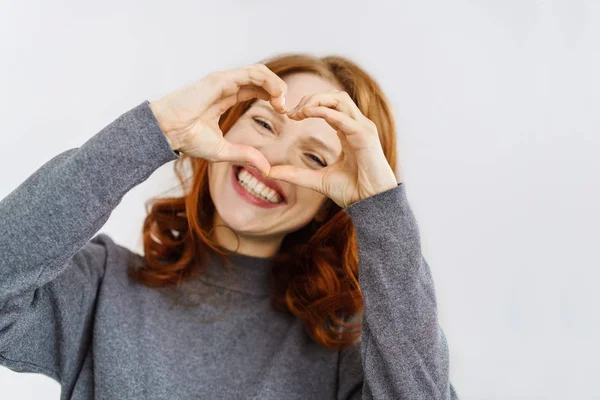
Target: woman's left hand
{"type": "Point", "coordinates": [361, 170]}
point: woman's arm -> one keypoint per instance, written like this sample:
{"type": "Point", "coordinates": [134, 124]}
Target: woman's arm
{"type": "Point", "coordinates": [50, 270]}
{"type": "Point", "coordinates": [403, 350]}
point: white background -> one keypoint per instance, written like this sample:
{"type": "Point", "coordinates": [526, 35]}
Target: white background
{"type": "Point", "coordinates": [497, 108]}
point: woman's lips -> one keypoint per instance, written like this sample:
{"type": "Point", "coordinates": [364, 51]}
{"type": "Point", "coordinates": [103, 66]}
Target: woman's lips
{"type": "Point", "coordinates": [267, 182]}
{"type": "Point", "coordinates": [250, 197]}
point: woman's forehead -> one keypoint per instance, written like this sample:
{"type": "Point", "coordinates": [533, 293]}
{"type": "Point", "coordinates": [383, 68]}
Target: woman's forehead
{"type": "Point", "coordinates": [305, 84]}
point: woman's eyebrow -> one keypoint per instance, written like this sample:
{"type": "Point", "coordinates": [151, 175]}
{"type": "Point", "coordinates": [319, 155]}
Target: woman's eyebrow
{"type": "Point", "coordinates": [272, 111]}
{"type": "Point", "coordinates": [320, 143]}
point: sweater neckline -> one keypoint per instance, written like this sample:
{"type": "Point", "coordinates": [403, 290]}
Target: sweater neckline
{"type": "Point", "coordinates": [247, 274]}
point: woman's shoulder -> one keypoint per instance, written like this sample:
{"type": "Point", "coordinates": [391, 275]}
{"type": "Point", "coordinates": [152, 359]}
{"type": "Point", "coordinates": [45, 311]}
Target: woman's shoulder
{"type": "Point", "coordinates": [116, 257]}
{"type": "Point", "coordinates": [103, 245]}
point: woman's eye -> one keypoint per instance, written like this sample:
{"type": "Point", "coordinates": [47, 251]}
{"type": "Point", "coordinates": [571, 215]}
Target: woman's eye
{"type": "Point", "coordinates": [263, 124]}
{"type": "Point", "coordinates": [318, 160]}
{"type": "Point", "coordinates": [267, 126]}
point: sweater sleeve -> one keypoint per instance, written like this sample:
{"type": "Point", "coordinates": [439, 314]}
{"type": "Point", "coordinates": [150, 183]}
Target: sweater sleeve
{"type": "Point", "coordinates": [51, 265]}
{"type": "Point", "coordinates": [402, 350]}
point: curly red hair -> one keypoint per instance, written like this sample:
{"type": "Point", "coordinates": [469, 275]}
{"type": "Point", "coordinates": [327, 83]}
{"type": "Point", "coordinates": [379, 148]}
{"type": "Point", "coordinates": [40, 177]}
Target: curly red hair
{"type": "Point", "coordinates": [315, 273]}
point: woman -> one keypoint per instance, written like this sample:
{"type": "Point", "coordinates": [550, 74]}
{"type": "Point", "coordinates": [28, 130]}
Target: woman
{"type": "Point", "coordinates": [294, 238]}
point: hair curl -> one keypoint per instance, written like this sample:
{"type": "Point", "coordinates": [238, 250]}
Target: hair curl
{"type": "Point", "coordinates": [315, 273]}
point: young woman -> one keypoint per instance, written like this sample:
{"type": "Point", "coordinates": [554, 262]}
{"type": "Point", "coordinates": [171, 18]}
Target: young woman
{"type": "Point", "coordinates": [290, 268]}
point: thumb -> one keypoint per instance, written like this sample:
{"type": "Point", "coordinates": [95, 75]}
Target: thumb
{"type": "Point", "coordinates": [298, 176]}
{"type": "Point", "coordinates": [244, 154]}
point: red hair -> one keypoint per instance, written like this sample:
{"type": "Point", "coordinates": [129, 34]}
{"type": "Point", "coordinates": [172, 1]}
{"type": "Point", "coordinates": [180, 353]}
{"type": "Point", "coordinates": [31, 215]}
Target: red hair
{"type": "Point", "coordinates": [315, 273]}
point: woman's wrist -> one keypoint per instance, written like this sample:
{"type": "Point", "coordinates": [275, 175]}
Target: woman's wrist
{"type": "Point", "coordinates": [173, 140]}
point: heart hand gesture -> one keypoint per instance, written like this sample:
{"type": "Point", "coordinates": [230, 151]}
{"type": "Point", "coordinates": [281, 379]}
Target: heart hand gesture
{"type": "Point", "coordinates": [360, 171]}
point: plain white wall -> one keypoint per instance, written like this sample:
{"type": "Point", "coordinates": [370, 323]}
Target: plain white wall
{"type": "Point", "coordinates": [497, 111]}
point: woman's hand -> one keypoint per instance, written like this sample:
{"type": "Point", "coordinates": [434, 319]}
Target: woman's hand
{"type": "Point", "coordinates": [361, 171]}
{"type": "Point", "coordinates": [189, 117]}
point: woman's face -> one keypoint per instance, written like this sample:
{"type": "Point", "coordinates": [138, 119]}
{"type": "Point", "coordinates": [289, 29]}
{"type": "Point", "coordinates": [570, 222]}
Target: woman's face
{"type": "Point", "coordinates": [282, 141]}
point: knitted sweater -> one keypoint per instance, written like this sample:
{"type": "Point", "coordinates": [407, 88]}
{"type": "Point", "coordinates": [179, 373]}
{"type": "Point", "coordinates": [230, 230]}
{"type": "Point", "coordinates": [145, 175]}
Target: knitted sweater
{"type": "Point", "coordinates": [69, 311]}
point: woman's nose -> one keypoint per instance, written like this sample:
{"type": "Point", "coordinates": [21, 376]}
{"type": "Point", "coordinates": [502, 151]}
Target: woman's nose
{"type": "Point", "coordinates": [276, 153]}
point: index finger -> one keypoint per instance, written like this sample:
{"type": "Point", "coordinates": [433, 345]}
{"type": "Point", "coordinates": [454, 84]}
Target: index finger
{"type": "Point", "coordinates": [261, 76]}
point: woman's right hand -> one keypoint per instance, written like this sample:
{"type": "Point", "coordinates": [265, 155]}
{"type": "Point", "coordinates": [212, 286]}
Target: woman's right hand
{"type": "Point", "coordinates": [189, 117]}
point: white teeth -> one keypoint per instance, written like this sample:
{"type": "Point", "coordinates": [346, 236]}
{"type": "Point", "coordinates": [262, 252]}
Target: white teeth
{"type": "Point", "coordinates": [257, 188]}
{"type": "Point", "coordinates": [266, 192]}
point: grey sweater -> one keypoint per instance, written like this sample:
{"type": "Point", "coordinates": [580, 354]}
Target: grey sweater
{"type": "Point", "coordinates": [69, 311]}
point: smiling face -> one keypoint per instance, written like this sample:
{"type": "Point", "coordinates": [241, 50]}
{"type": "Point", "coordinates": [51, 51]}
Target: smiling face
{"type": "Point", "coordinates": [261, 223]}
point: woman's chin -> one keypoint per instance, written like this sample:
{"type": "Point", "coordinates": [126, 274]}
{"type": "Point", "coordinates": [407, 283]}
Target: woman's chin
{"type": "Point", "coordinates": [240, 218]}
